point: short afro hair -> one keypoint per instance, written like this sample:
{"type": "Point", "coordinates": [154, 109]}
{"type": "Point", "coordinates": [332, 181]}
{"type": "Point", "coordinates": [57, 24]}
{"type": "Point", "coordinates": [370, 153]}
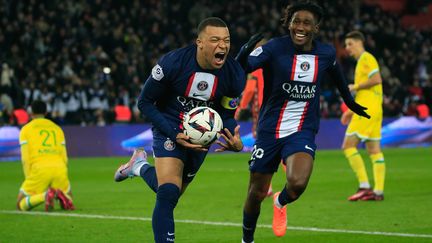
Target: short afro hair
{"type": "Point", "coordinates": [312, 7]}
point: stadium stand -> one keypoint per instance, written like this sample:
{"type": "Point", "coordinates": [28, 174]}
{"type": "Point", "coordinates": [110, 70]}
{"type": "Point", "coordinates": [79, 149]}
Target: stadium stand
{"type": "Point", "coordinates": [85, 57]}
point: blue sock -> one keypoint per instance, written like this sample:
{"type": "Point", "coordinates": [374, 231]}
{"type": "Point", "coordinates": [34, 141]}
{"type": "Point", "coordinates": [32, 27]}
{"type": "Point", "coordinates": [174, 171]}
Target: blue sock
{"type": "Point", "coordinates": [163, 213]}
{"type": "Point", "coordinates": [148, 173]}
{"type": "Point", "coordinates": [284, 198]}
{"type": "Point", "coordinates": [249, 225]}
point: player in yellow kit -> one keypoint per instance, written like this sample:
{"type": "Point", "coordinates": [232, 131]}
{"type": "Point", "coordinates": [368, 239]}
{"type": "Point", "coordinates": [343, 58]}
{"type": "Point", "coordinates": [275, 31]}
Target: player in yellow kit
{"type": "Point", "coordinates": [44, 159]}
{"type": "Point", "coordinates": [368, 89]}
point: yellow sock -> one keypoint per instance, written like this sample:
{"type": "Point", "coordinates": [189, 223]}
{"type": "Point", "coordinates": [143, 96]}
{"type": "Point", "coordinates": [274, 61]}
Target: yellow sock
{"type": "Point", "coordinates": [379, 171]}
{"type": "Point", "coordinates": [358, 166]}
{"type": "Point", "coordinates": [30, 202]}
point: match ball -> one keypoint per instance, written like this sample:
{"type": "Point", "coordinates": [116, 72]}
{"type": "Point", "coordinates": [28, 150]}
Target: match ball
{"type": "Point", "coordinates": [202, 125]}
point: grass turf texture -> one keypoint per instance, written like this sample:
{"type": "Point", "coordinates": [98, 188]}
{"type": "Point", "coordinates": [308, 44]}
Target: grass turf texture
{"type": "Point", "coordinates": [217, 195]}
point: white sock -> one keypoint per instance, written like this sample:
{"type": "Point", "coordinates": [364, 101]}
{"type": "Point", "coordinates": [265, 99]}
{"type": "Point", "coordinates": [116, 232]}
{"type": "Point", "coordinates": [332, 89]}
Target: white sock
{"type": "Point", "coordinates": [137, 167]}
{"type": "Point", "coordinates": [379, 192]}
{"type": "Point", "coordinates": [364, 185]}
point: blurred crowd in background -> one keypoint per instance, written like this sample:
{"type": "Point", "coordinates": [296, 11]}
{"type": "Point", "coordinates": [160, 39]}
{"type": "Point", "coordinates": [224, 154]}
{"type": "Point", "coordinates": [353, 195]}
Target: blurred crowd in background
{"type": "Point", "coordinates": [88, 59]}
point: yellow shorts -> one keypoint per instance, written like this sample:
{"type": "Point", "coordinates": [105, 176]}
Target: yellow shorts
{"type": "Point", "coordinates": [41, 178]}
{"type": "Point", "coordinates": [365, 129]}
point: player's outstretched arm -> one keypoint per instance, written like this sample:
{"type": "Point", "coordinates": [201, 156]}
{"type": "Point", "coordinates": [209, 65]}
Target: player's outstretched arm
{"type": "Point", "coordinates": [232, 142]}
{"type": "Point", "coordinates": [246, 49]}
{"type": "Point", "coordinates": [338, 77]}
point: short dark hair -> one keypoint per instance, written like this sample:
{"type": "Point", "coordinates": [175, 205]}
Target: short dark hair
{"type": "Point", "coordinates": [357, 35]}
{"type": "Point", "coordinates": [312, 7]}
{"type": "Point", "coordinates": [38, 107]}
{"type": "Point", "coordinates": [211, 21]}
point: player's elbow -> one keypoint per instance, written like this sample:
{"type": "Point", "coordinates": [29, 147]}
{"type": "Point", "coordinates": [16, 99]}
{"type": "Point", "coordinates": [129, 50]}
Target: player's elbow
{"type": "Point", "coordinates": [143, 105]}
{"type": "Point", "coordinates": [376, 79]}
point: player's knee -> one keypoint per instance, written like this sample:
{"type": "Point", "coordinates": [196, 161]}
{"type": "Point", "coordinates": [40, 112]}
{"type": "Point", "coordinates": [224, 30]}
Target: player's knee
{"type": "Point", "coordinates": [257, 194]}
{"type": "Point", "coordinates": [297, 186]}
{"type": "Point", "coordinates": [350, 151]}
{"type": "Point", "coordinates": [350, 142]}
{"type": "Point", "coordinates": [168, 192]}
{"type": "Point", "coordinates": [373, 150]}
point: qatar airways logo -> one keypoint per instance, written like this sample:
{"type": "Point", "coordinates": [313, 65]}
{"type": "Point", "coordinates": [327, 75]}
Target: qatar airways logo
{"type": "Point", "coordinates": [188, 104]}
{"type": "Point", "coordinates": [300, 91]}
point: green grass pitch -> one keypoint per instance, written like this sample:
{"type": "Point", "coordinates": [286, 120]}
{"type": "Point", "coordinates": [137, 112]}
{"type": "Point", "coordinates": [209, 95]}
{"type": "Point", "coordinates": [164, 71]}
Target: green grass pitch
{"type": "Point", "coordinates": [211, 208]}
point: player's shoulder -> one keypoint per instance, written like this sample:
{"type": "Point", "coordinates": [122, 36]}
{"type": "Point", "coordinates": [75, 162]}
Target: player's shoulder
{"type": "Point", "coordinates": [178, 55]}
{"type": "Point", "coordinates": [26, 127]}
{"type": "Point", "coordinates": [368, 57]}
{"type": "Point", "coordinates": [234, 69]}
{"type": "Point", "coordinates": [325, 48]}
{"type": "Point", "coordinates": [175, 59]}
{"type": "Point", "coordinates": [233, 65]}
{"type": "Point", "coordinates": [278, 42]}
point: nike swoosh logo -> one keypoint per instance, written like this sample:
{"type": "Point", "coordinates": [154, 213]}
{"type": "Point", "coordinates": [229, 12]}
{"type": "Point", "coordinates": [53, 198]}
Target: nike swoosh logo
{"type": "Point", "coordinates": [191, 174]}
{"type": "Point", "coordinates": [302, 76]}
{"type": "Point", "coordinates": [197, 95]}
{"type": "Point", "coordinates": [307, 147]}
{"type": "Point", "coordinates": [170, 234]}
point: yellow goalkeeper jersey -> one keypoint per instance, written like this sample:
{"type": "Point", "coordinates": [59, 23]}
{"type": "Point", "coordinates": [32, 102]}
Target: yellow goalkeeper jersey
{"type": "Point", "coordinates": [372, 97]}
{"type": "Point", "coordinates": [42, 145]}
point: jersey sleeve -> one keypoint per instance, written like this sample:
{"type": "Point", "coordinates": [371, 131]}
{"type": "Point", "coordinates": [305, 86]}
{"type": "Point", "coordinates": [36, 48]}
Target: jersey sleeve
{"type": "Point", "coordinates": [259, 57]}
{"type": "Point", "coordinates": [338, 77]}
{"type": "Point", "coordinates": [372, 66]}
{"type": "Point", "coordinates": [23, 140]}
{"type": "Point", "coordinates": [154, 89]}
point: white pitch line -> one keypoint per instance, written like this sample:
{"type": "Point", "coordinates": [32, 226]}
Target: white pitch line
{"type": "Point", "coordinates": [95, 216]}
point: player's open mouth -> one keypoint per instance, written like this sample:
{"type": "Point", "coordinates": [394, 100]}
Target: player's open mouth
{"type": "Point", "coordinates": [220, 58]}
{"type": "Point", "coordinates": [300, 37]}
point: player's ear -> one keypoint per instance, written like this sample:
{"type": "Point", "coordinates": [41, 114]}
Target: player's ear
{"type": "Point", "coordinates": [199, 43]}
{"type": "Point", "coordinates": [316, 29]}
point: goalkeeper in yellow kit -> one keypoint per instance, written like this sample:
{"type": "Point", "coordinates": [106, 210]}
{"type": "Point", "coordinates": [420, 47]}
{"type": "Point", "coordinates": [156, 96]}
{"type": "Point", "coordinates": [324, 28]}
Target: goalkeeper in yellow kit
{"type": "Point", "coordinates": [44, 159]}
{"type": "Point", "coordinates": [368, 89]}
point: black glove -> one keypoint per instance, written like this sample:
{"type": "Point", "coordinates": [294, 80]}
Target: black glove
{"type": "Point", "coordinates": [358, 109]}
{"type": "Point", "coordinates": [247, 49]}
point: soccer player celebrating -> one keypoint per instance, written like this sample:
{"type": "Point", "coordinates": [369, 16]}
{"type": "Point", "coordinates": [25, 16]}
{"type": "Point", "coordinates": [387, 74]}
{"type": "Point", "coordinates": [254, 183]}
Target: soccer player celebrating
{"type": "Point", "coordinates": [294, 66]}
{"type": "Point", "coordinates": [368, 88]}
{"type": "Point", "coordinates": [44, 159]}
{"type": "Point", "coordinates": [201, 74]}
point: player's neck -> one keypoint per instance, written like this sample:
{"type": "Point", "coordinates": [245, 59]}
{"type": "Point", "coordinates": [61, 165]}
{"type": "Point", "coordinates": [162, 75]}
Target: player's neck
{"type": "Point", "coordinates": [305, 48]}
{"type": "Point", "coordinates": [359, 54]}
{"type": "Point", "coordinates": [201, 61]}
{"type": "Point", "coordinates": [35, 116]}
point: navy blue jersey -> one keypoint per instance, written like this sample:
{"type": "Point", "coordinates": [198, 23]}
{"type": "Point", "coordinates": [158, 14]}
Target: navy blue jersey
{"type": "Point", "coordinates": [177, 84]}
{"type": "Point", "coordinates": [291, 85]}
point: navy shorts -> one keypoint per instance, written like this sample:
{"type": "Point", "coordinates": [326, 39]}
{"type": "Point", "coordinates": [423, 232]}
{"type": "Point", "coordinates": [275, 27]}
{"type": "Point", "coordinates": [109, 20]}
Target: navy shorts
{"type": "Point", "coordinates": [165, 147]}
{"type": "Point", "coordinates": [267, 153]}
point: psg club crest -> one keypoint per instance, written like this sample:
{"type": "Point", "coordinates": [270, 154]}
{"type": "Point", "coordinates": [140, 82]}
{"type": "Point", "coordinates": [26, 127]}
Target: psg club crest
{"type": "Point", "coordinates": [169, 145]}
{"type": "Point", "coordinates": [234, 103]}
{"type": "Point", "coordinates": [202, 85]}
{"type": "Point", "coordinates": [304, 66]}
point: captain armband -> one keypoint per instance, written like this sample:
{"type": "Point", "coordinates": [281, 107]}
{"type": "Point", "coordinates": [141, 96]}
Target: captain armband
{"type": "Point", "coordinates": [230, 103]}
